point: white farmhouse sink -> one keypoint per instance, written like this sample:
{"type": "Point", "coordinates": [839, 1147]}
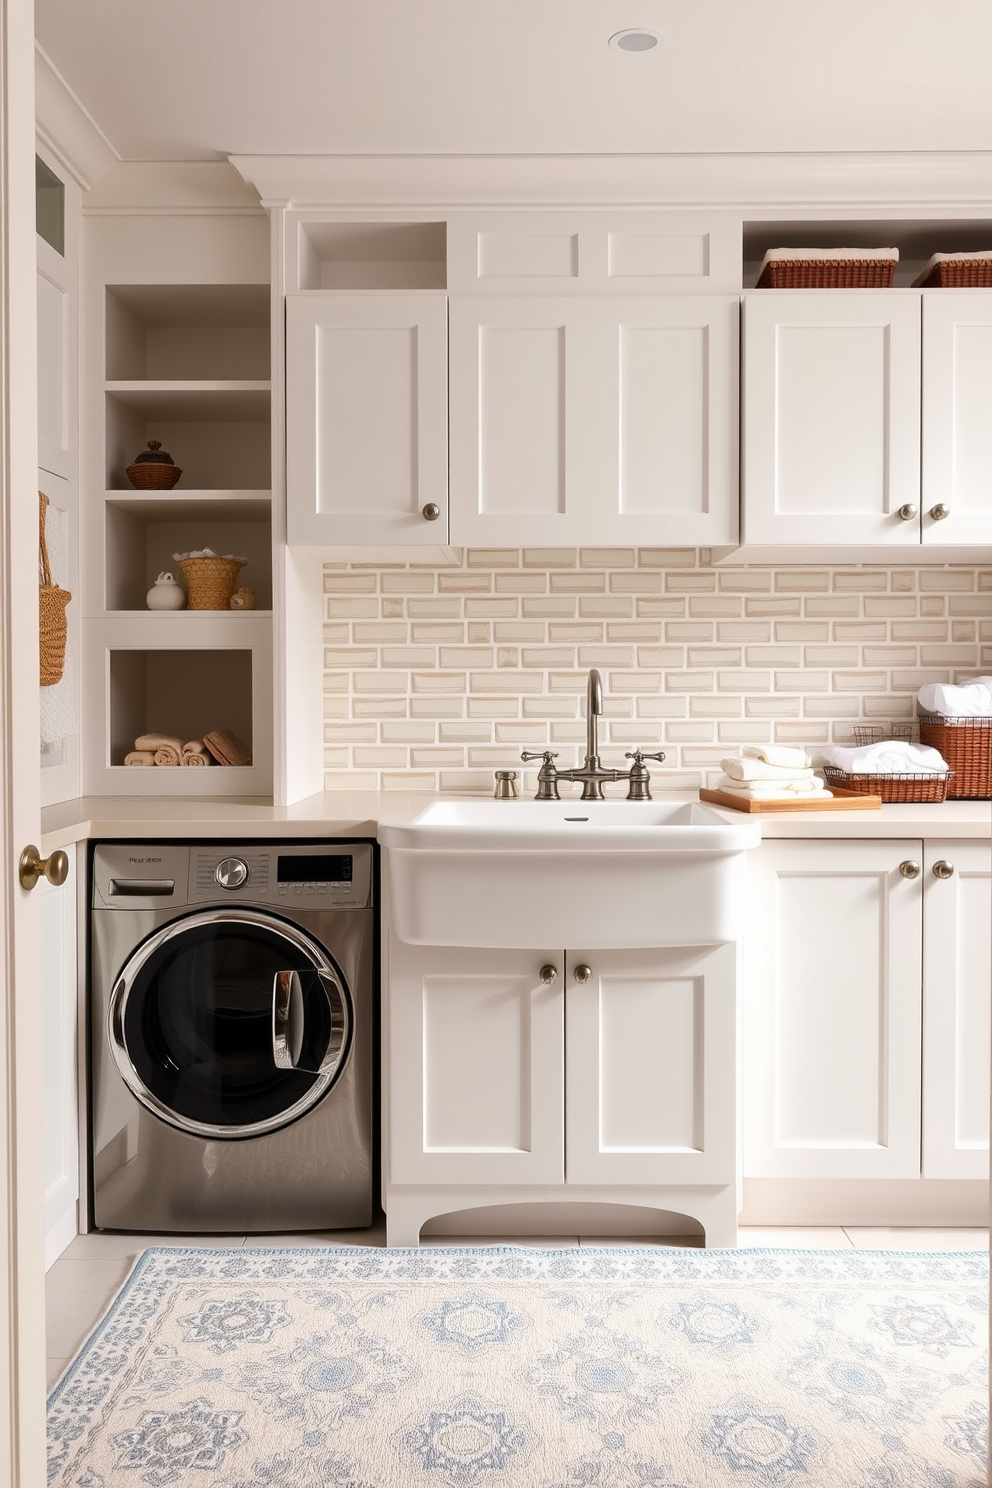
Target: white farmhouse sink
{"type": "Point", "coordinates": [559, 874]}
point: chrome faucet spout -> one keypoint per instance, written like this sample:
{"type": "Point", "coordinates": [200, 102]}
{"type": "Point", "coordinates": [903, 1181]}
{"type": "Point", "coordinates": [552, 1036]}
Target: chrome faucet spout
{"type": "Point", "coordinates": [594, 707]}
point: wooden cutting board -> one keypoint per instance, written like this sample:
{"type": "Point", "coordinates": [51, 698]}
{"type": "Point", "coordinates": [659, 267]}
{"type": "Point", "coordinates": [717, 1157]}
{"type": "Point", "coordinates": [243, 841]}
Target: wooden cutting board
{"type": "Point", "coordinates": [835, 799]}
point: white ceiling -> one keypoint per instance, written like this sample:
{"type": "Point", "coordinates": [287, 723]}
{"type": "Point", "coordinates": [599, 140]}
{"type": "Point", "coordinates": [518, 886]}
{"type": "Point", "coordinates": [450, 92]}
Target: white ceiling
{"type": "Point", "coordinates": [202, 79]}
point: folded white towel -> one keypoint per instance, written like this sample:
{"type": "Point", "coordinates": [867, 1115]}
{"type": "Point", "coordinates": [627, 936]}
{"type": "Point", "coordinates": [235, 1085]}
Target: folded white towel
{"type": "Point", "coordinates": [779, 754]}
{"type": "Point", "coordinates": [964, 700]}
{"type": "Point", "coordinates": [887, 757]}
{"type": "Point", "coordinates": [768, 790]}
{"type": "Point", "coordinates": [756, 769]}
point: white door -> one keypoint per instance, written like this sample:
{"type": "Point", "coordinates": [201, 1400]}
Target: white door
{"type": "Point", "coordinates": [59, 994]}
{"type": "Point", "coordinates": [831, 417]}
{"type": "Point", "coordinates": [593, 421]}
{"type": "Point", "coordinates": [22, 1298]}
{"type": "Point", "coordinates": [957, 985]}
{"type": "Point", "coordinates": [475, 1059]}
{"type": "Point", "coordinates": [651, 1055]}
{"type": "Point", "coordinates": [831, 1011]}
{"type": "Point", "coordinates": [366, 419]}
{"type": "Point", "coordinates": [957, 429]}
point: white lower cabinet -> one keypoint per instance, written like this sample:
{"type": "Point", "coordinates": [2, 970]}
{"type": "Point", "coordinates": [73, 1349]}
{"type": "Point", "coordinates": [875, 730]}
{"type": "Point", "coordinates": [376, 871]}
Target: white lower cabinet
{"type": "Point", "coordinates": [865, 1019]}
{"type": "Point", "coordinates": [611, 1080]}
{"type": "Point", "coordinates": [59, 998]}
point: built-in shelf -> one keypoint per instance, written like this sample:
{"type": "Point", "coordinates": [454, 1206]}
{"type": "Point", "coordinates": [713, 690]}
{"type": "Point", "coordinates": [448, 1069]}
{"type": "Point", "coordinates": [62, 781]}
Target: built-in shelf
{"type": "Point", "coordinates": [372, 255]}
{"type": "Point", "coordinates": [143, 533]}
{"type": "Point", "coordinates": [177, 331]}
{"type": "Point", "coordinates": [917, 240]}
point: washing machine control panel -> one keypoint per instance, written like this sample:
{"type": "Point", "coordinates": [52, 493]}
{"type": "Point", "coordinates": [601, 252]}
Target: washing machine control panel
{"type": "Point", "coordinates": [335, 875]}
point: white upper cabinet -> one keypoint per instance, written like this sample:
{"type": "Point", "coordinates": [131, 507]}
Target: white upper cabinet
{"type": "Point", "coordinates": [598, 420]}
{"type": "Point", "coordinates": [366, 418]}
{"type": "Point", "coordinates": [866, 418]}
{"type": "Point", "coordinates": [957, 427]}
{"type": "Point", "coordinates": [831, 417]}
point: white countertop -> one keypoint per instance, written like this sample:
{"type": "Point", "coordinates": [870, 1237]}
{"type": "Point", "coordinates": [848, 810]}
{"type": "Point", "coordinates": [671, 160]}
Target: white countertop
{"type": "Point", "coordinates": [358, 814]}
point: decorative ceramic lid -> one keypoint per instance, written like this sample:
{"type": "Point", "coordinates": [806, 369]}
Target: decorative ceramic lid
{"type": "Point", "coordinates": [154, 455]}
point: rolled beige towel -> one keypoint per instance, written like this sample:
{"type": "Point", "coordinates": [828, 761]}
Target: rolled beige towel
{"type": "Point", "coordinates": [167, 751]}
{"type": "Point", "coordinates": [140, 757]}
{"type": "Point", "coordinates": [195, 753]}
{"type": "Point", "coordinates": [197, 759]}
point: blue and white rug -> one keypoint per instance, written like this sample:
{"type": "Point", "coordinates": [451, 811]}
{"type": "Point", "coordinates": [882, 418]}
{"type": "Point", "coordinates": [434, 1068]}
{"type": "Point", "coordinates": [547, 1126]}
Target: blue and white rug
{"type": "Point", "coordinates": [518, 1368]}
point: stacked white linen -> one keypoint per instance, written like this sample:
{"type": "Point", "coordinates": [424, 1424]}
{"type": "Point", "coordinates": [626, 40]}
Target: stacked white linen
{"type": "Point", "coordinates": [964, 700]}
{"type": "Point", "coordinates": [887, 757]}
{"type": "Point", "coordinates": [770, 772]}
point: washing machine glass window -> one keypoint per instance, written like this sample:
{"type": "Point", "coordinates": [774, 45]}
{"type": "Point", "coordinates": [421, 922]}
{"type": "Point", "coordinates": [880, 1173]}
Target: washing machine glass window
{"type": "Point", "coordinates": [229, 1023]}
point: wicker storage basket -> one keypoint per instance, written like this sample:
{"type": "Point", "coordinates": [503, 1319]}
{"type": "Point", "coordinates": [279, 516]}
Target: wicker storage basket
{"type": "Point", "coordinates": [966, 744]}
{"type": "Point", "coordinates": [910, 788]}
{"type": "Point", "coordinates": [810, 270]}
{"type": "Point", "coordinates": [210, 582]}
{"type": "Point", "coordinates": [53, 626]}
{"type": "Point", "coordinates": [957, 271]}
{"type": "Point", "coordinates": [153, 469]}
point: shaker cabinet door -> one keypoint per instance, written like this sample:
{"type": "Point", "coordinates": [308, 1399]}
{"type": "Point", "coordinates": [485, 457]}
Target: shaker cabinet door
{"type": "Point", "coordinates": [957, 429]}
{"type": "Point", "coordinates": [366, 419]}
{"type": "Point", "coordinates": [831, 417]}
{"type": "Point", "coordinates": [831, 1014]}
{"type": "Point", "coordinates": [651, 1066]}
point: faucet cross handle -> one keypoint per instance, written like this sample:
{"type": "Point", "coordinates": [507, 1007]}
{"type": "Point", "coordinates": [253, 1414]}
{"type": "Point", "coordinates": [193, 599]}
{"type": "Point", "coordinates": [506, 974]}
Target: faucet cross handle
{"type": "Point", "coordinates": [640, 780]}
{"type": "Point", "coordinates": [547, 775]}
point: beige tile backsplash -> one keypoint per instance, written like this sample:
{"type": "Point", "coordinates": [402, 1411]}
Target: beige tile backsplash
{"type": "Point", "coordinates": [434, 677]}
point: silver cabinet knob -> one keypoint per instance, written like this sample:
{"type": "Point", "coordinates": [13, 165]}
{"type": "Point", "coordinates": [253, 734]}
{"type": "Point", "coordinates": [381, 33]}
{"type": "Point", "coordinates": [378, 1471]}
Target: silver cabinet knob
{"type": "Point", "coordinates": [548, 974]}
{"type": "Point", "coordinates": [582, 973]}
{"type": "Point", "coordinates": [430, 512]}
{"type": "Point", "coordinates": [908, 512]}
{"type": "Point", "coordinates": [33, 866]}
{"type": "Point", "coordinates": [909, 869]}
{"type": "Point", "coordinates": [943, 869]}
{"type": "Point", "coordinates": [940, 511]}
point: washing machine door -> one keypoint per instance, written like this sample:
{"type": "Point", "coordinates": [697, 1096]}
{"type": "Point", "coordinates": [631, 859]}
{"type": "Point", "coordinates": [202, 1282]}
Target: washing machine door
{"type": "Point", "coordinates": [230, 1023]}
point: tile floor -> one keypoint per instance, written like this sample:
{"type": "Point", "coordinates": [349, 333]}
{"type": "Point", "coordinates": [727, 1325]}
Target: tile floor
{"type": "Point", "coordinates": [85, 1277]}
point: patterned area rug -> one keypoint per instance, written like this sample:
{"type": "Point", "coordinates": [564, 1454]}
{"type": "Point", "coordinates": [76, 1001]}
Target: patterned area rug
{"type": "Point", "coordinates": [517, 1368]}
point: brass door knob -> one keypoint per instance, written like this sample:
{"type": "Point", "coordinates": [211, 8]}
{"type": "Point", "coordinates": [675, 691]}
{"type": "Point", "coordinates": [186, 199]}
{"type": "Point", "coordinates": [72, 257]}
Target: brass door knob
{"type": "Point", "coordinates": [908, 512]}
{"type": "Point", "coordinates": [940, 511]}
{"type": "Point", "coordinates": [582, 973]}
{"type": "Point", "coordinates": [431, 511]}
{"type": "Point", "coordinates": [33, 866]}
{"type": "Point", "coordinates": [943, 869]}
{"type": "Point", "coordinates": [909, 869]}
{"type": "Point", "coordinates": [548, 974]}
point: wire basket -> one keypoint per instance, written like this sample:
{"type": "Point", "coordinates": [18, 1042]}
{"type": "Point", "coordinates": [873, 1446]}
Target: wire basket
{"type": "Point", "coordinates": [875, 733]}
{"type": "Point", "coordinates": [907, 788]}
{"type": "Point", "coordinates": [966, 744]}
{"type": "Point", "coordinates": [210, 582]}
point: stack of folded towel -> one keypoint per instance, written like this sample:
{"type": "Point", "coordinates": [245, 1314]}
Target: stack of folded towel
{"type": "Point", "coordinates": [163, 750]}
{"type": "Point", "coordinates": [771, 772]}
{"type": "Point", "coordinates": [967, 700]}
{"type": "Point", "coordinates": [887, 757]}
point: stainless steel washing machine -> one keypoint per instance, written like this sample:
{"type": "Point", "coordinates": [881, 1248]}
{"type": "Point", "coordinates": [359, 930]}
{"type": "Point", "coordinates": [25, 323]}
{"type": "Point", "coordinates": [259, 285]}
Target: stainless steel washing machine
{"type": "Point", "coordinates": [232, 1002]}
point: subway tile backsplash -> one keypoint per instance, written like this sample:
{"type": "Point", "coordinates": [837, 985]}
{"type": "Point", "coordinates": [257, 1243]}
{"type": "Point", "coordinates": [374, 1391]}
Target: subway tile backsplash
{"type": "Point", "coordinates": [434, 677]}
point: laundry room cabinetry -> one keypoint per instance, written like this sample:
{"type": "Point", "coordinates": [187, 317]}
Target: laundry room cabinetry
{"type": "Point", "coordinates": [866, 1010]}
{"type": "Point", "coordinates": [516, 1076]}
{"type": "Point", "coordinates": [179, 349]}
{"type": "Point", "coordinates": [865, 418]}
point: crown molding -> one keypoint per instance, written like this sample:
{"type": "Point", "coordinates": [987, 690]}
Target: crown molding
{"type": "Point", "coordinates": [66, 128]}
{"type": "Point", "coordinates": [766, 184]}
{"type": "Point", "coordinates": [172, 188]}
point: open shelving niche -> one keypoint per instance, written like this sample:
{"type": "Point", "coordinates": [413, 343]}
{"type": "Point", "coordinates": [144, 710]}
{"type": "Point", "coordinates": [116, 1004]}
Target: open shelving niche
{"type": "Point", "coordinates": [917, 239]}
{"type": "Point", "coordinates": [189, 365]}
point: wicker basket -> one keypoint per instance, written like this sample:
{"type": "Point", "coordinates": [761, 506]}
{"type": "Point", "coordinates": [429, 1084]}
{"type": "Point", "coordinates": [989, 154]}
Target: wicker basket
{"type": "Point", "coordinates": [956, 271]}
{"type": "Point", "coordinates": [153, 477]}
{"type": "Point", "coordinates": [53, 626]}
{"type": "Point", "coordinates": [210, 582]}
{"type": "Point", "coordinates": [826, 273]}
{"type": "Point", "coordinates": [966, 744]}
{"type": "Point", "coordinates": [909, 788]}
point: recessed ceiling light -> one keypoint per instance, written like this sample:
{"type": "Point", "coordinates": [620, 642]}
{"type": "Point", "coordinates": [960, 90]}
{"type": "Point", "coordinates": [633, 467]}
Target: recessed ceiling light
{"type": "Point", "coordinates": [635, 39]}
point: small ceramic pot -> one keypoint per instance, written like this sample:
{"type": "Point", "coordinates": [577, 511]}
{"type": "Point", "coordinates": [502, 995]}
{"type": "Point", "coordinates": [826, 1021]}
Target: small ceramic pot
{"type": "Point", "coordinates": [165, 594]}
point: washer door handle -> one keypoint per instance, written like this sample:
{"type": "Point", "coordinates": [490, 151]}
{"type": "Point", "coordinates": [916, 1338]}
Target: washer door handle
{"type": "Point", "coordinates": [287, 1022]}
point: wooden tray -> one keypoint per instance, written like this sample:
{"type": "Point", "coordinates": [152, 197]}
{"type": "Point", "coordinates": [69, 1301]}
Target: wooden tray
{"type": "Point", "coordinates": [835, 799]}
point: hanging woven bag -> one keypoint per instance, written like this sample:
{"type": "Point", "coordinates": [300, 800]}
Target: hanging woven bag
{"type": "Point", "coordinates": [52, 603]}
